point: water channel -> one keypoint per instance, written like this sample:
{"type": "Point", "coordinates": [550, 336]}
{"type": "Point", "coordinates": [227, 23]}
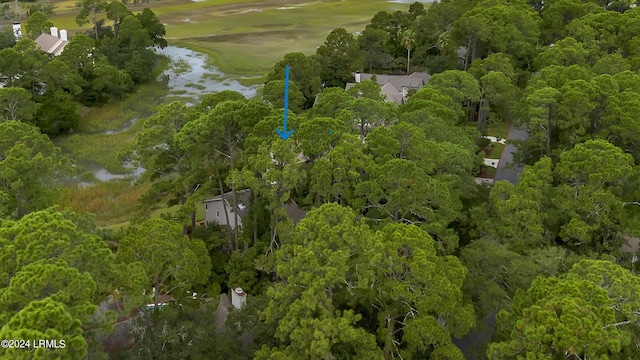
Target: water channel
{"type": "Point", "coordinates": [189, 76]}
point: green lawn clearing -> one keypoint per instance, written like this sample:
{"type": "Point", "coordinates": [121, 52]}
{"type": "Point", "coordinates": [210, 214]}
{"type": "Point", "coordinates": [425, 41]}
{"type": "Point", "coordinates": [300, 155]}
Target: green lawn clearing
{"type": "Point", "coordinates": [496, 153]}
{"type": "Point", "coordinates": [500, 130]}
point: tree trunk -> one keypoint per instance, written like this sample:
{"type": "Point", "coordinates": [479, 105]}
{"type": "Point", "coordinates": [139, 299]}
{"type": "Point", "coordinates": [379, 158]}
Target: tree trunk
{"type": "Point", "coordinates": [388, 322]}
{"type": "Point", "coordinates": [226, 211]}
{"type": "Point", "coordinates": [549, 131]}
{"type": "Point", "coordinates": [233, 190]}
{"type": "Point", "coordinates": [255, 223]}
{"type": "Point", "coordinates": [95, 23]}
{"type": "Point", "coordinates": [156, 285]}
{"type": "Point", "coordinates": [481, 112]}
{"type": "Point", "coordinates": [466, 54]}
{"type": "Point", "coordinates": [474, 48]}
{"type": "Point", "coordinates": [408, 58]}
{"type": "Point", "coordinates": [272, 230]}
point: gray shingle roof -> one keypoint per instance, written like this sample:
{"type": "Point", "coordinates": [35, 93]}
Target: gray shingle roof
{"type": "Point", "coordinates": [51, 44]}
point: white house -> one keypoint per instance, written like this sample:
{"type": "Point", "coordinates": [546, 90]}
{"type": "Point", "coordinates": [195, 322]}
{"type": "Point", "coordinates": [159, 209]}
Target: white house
{"type": "Point", "coordinates": [214, 209]}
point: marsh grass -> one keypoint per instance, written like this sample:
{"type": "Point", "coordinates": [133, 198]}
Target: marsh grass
{"type": "Point", "coordinates": [92, 144]}
{"type": "Point", "coordinates": [111, 201]}
{"type": "Point", "coordinates": [196, 86]}
{"type": "Point", "coordinates": [180, 67]}
{"type": "Point", "coordinates": [249, 36]}
{"type": "Point", "coordinates": [141, 103]}
{"type": "Point", "coordinates": [250, 81]}
{"type": "Point", "coordinates": [156, 213]}
{"type": "Point", "coordinates": [107, 150]}
{"type": "Point", "coordinates": [211, 76]}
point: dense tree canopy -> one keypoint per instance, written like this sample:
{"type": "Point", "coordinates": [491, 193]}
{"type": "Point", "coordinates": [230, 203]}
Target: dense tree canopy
{"type": "Point", "coordinates": [399, 250]}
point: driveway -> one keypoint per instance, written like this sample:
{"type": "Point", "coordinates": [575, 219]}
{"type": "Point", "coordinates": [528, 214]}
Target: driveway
{"type": "Point", "coordinates": [506, 169]}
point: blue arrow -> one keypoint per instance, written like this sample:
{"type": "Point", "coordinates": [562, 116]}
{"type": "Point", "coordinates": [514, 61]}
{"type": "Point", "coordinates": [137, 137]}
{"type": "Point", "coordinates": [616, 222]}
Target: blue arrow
{"type": "Point", "coordinates": [284, 134]}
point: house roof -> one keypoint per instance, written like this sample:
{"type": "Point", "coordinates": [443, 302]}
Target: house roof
{"type": "Point", "coordinates": [295, 212]}
{"type": "Point", "coordinates": [392, 94]}
{"type": "Point", "coordinates": [392, 86]}
{"type": "Point", "coordinates": [462, 52]}
{"type": "Point", "coordinates": [51, 44]}
{"type": "Point", "coordinates": [244, 199]}
{"type": "Point", "coordinates": [413, 81]}
{"type": "Point", "coordinates": [631, 245]}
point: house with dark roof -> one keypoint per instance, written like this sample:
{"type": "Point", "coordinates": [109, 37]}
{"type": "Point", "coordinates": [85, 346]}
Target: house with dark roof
{"type": "Point", "coordinates": [51, 43]}
{"type": "Point", "coordinates": [395, 88]}
{"type": "Point", "coordinates": [214, 209]}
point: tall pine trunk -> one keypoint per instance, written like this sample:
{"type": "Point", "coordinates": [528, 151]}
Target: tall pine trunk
{"type": "Point", "coordinates": [408, 58]}
{"type": "Point", "coordinates": [226, 211]}
{"type": "Point", "coordinates": [233, 190]}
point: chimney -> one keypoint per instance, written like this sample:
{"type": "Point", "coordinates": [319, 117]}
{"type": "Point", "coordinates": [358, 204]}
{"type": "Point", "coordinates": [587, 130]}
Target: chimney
{"type": "Point", "coordinates": [238, 297]}
{"type": "Point", "coordinates": [357, 76]}
{"type": "Point", "coordinates": [17, 31]}
{"type": "Point", "coordinates": [63, 35]}
{"type": "Point", "coordinates": [54, 31]}
{"type": "Point", "coordinates": [404, 92]}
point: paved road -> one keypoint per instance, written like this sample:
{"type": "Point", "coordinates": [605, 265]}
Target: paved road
{"type": "Point", "coordinates": [471, 344]}
{"type": "Point", "coordinates": [504, 171]}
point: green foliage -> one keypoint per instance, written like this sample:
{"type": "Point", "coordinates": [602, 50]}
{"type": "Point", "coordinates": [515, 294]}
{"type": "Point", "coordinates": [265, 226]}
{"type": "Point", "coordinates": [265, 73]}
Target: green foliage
{"type": "Point", "coordinates": [56, 270]}
{"type": "Point", "coordinates": [273, 94]}
{"type": "Point", "coordinates": [497, 26]}
{"type": "Point", "coordinates": [37, 24]}
{"type": "Point", "coordinates": [187, 331]}
{"type": "Point", "coordinates": [154, 27]}
{"type": "Point", "coordinates": [16, 104]}
{"type": "Point", "coordinates": [339, 57]}
{"type": "Point", "coordinates": [30, 169]}
{"type": "Point", "coordinates": [45, 319]}
{"type": "Point", "coordinates": [331, 101]}
{"type": "Point", "coordinates": [7, 37]}
{"type": "Point", "coordinates": [170, 259]}
{"type": "Point", "coordinates": [304, 72]}
{"type": "Point", "coordinates": [576, 314]}
{"type": "Point", "coordinates": [117, 12]}
{"type": "Point", "coordinates": [333, 262]}
{"type": "Point", "coordinates": [89, 10]}
{"type": "Point", "coordinates": [372, 41]}
{"type": "Point", "coordinates": [57, 114]}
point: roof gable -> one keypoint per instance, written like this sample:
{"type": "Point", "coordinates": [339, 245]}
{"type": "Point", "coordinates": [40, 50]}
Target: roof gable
{"type": "Point", "coordinates": [51, 44]}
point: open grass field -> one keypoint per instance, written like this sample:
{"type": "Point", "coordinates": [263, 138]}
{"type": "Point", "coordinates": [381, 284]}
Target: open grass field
{"type": "Point", "coordinates": [246, 37]}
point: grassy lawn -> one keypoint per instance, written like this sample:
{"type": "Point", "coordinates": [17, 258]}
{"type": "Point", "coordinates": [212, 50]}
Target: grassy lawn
{"type": "Point", "coordinates": [491, 171]}
{"type": "Point", "coordinates": [496, 153]}
{"type": "Point", "coordinates": [499, 130]}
